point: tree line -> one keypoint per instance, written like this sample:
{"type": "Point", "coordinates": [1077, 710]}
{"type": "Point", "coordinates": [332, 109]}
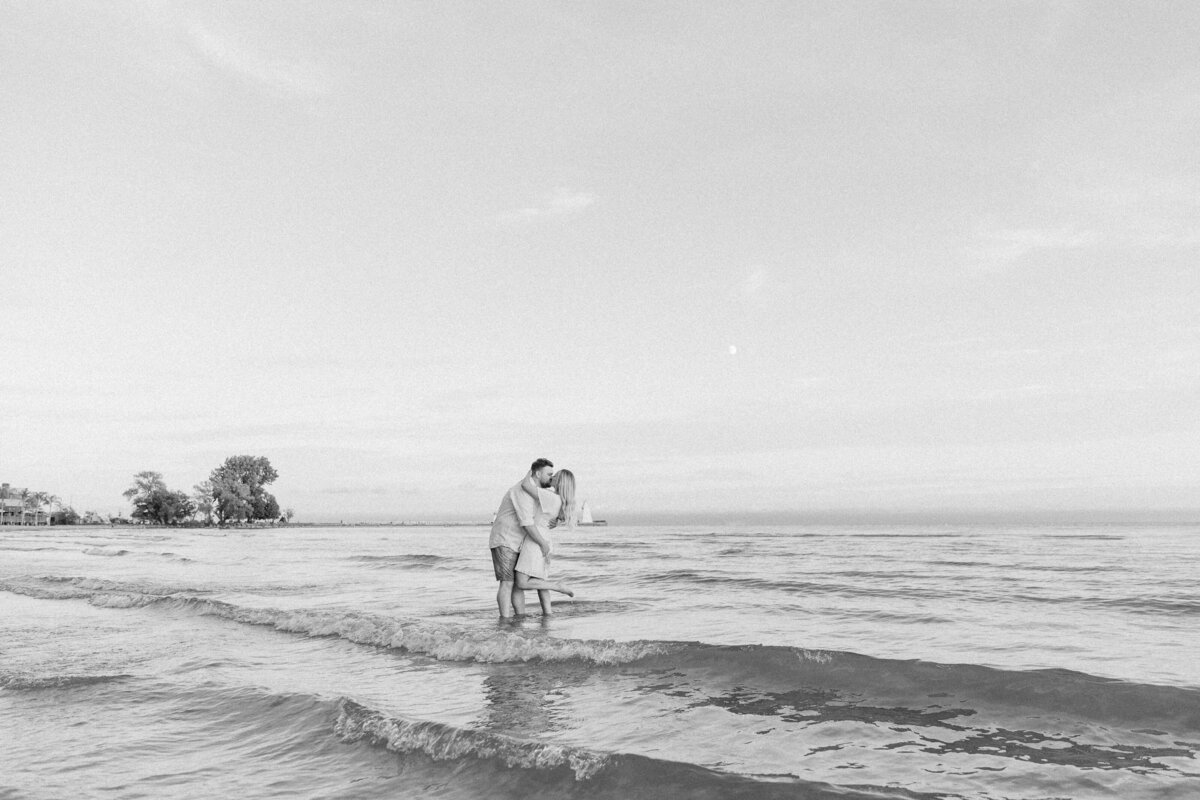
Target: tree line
{"type": "Point", "coordinates": [234, 492]}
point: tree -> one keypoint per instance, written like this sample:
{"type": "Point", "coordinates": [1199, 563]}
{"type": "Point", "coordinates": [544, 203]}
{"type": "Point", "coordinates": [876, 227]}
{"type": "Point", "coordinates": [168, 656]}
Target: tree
{"type": "Point", "coordinates": [239, 492]}
{"type": "Point", "coordinates": [266, 507]}
{"type": "Point", "coordinates": [203, 497]}
{"type": "Point", "coordinates": [154, 502]}
{"type": "Point", "coordinates": [144, 483]}
{"type": "Point", "coordinates": [164, 507]}
{"type": "Point", "coordinates": [26, 499]}
{"type": "Point", "coordinates": [39, 499]}
{"type": "Point", "coordinates": [288, 514]}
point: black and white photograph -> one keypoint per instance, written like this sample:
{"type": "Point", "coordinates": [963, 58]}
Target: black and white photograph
{"type": "Point", "coordinates": [599, 400]}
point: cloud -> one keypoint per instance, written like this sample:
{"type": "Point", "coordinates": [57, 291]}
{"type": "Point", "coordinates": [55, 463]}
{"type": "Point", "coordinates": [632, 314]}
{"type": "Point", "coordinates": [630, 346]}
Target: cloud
{"type": "Point", "coordinates": [278, 75]}
{"type": "Point", "coordinates": [357, 491]}
{"type": "Point", "coordinates": [999, 248]}
{"type": "Point", "coordinates": [1127, 223]}
{"type": "Point", "coordinates": [559, 204]}
{"type": "Point", "coordinates": [1137, 209]}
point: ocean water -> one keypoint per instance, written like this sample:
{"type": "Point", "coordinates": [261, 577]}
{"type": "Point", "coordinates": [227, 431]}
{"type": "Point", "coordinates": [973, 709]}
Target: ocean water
{"type": "Point", "coordinates": [881, 661]}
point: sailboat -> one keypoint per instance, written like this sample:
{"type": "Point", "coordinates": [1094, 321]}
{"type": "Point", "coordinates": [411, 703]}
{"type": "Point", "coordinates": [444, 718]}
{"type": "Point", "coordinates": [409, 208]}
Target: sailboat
{"type": "Point", "coordinates": [585, 515]}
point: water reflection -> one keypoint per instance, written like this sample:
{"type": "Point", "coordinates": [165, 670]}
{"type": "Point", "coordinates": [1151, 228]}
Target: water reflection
{"type": "Point", "coordinates": [528, 699]}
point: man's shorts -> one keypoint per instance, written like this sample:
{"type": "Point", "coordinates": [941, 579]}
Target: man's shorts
{"type": "Point", "coordinates": [504, 560]}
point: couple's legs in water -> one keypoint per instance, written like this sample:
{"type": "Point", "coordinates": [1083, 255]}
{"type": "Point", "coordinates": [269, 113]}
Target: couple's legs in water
{"type": "Point", "coordinates": [543, 588]}
{"type": "Point", "coordinates": [510, 596]}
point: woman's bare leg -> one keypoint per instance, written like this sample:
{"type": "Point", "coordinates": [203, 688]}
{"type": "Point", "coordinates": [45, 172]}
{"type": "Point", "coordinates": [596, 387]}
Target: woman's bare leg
{"type": "Point", "coordinates": [526, 582]}
{"type": "Point", "coordinates": [544, 599]}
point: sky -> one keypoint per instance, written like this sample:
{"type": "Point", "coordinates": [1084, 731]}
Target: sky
{"type": "Point", "coordinates": [715, 258]}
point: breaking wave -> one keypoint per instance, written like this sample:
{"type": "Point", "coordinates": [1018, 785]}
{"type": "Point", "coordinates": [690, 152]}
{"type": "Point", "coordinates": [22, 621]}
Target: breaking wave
{"type": "Point", "coordinates": [909, 683]}
{"type": "Point", "coordinates": [441, 641]}
{"type": "Point", "coordinates": [15, 682]}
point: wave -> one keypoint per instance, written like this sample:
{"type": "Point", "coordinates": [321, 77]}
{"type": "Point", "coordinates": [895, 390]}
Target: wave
{"type": "Point", "coordinates": [557, 770]}
{"type": "Point", "coordinates": [1084, 569]}
{"type": "Point", "coordinates": [915, 535]}
{"type": "Point", "coordinates": [1144, 606]}
{"type": "Point", "coordinates": [15, 682]}
{"type": "Point", "coordinates": [805, 588]}
{"type": "Point", "coordinates": [562, 608]}
{"type": "Point", "coordinates": [846, 680]}
{"type": "Point", "coordinates": [445, 742]}
{"type": "Point", "coordinates": [105, 551]}
{"type": "Point", "coordinates": [1097, 536]}
{"type": "Point", "coordinates": [405, 561]}
{"type": "Point", "coordinates": [884, 585]}
{"type": "Point", "coordinates": [1138, 605]}
{"type": "Point", "coordinates": [54, 587]}
{"type": "Point", "coordinates": [894, 687]}
{"type": "Point", "coordinates": [441, 641]}
{"type": "Point", "coordinates": [450, 761]}
{"type": "Point", "coordinates": [612, 544]}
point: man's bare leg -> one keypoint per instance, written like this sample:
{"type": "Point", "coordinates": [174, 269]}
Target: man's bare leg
{"type": "Point", "coordinates": [518, 600]}
{"type": "Point", "coordinates": [505, 596]}
{"type": "Point", "coordinates": [526, 582]}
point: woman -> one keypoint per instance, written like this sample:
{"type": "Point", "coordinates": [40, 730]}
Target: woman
{"type": "Point", "coordinates": [533, 569]}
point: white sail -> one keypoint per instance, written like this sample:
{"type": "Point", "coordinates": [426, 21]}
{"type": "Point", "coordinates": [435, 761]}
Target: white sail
{"type": "Point", "coordinates": [585, 514]}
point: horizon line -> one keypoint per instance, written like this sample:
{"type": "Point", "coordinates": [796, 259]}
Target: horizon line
{"type": "Point", "coordinates": [823, 516]}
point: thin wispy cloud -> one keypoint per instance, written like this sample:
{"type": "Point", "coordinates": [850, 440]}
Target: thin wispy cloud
{"type": "Point", "coordinates": [559, 204]}
{"type": "Point", "coordinates": [1123, 223]}
{"type": "Point", "coordinates": [998, 248]}
{"type": "Point", "coordinates": [368, 490]}
{"type": "Point", "coordinates": [273, 74]}
{"type": "Point", "coordinates": [1134, 208]}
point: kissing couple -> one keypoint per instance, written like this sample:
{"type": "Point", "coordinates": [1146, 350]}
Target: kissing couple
{"type": "Point", "coordinates": [520, 539]}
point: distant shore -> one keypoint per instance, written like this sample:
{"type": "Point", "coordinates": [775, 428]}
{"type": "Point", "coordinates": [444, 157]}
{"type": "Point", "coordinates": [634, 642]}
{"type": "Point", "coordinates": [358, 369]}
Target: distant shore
{"type": "Point", "coordinates": [142, 526]}
{"type": "Point", "coordinates": [384, 525]}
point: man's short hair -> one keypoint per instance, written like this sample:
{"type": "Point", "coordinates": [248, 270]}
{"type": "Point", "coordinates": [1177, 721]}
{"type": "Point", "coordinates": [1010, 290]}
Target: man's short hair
{"type": "Point", "coordinates": [541, 462]}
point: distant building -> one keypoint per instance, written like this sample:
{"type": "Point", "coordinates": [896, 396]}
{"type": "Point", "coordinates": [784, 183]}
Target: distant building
{"type": "Point", "coordinates": [11, 505]}
{"type": "Point", "coordinates": [21, 506]}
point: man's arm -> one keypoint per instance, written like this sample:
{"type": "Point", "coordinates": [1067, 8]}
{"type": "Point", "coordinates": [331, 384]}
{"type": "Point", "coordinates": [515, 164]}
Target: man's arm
{"type": "Point", "coordinates": [525, 516]}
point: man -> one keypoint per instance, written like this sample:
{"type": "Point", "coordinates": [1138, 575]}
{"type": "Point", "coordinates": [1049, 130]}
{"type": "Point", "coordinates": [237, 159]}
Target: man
{"type": "Point", "coordinates": [514, 521]}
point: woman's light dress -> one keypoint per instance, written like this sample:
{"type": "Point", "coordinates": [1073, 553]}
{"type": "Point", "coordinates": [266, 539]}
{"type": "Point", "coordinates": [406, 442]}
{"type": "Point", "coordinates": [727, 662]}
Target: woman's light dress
{"type": "Point", "coordinates": [530, 561]}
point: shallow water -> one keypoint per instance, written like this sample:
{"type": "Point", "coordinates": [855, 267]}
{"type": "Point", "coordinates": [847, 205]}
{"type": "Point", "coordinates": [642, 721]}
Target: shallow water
{"type": "Point", "coordinates": [795, 661]}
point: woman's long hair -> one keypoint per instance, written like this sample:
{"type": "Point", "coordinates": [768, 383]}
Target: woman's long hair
{"type": "Point", "coordinates": [564, 483]}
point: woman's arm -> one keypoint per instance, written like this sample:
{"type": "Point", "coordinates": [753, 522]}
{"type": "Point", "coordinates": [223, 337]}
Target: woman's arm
{"type": "Point", "coordinates": [533, 490]}
{"type": "Point", "coordinates": [530, 486]}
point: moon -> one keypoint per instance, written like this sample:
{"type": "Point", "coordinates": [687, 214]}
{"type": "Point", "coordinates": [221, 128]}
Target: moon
{"type": "Point", "coordinates": [733, 349]}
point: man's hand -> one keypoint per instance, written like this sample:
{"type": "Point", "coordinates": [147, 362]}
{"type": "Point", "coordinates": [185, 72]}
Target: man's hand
{"type": "Point", "coordinates": [546, 551]}
{"type": "Point", "coordinates": [554, 523]}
